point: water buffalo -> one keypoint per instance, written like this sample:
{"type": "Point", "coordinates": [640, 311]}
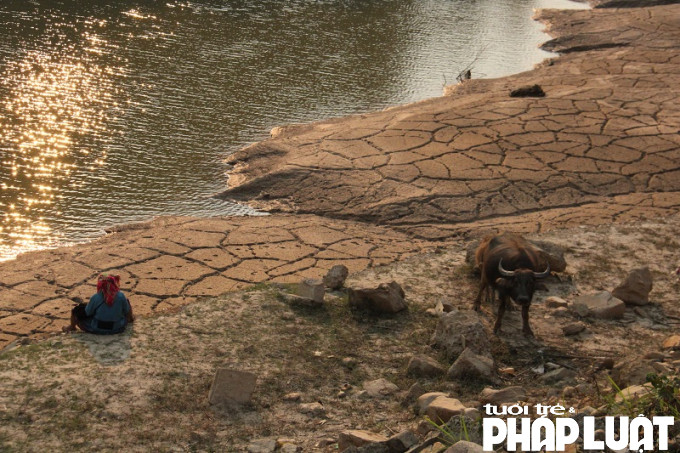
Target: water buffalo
{"type": "Point", "coordinates": [508, 264]}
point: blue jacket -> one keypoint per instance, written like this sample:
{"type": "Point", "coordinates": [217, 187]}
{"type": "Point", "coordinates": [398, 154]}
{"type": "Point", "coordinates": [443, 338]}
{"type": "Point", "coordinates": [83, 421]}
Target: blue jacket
{"type": "Point", "coordinates": [105, 319]}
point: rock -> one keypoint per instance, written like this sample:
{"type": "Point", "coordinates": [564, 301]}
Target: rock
{"type": "Point", "coordinates": [311, 289]}
{"type": "Point", "coordinates": [447, 306]}
{"type": "Point", "coordinates": [559, 375]}
{"type": "Point", "coordinates": [633, 392]}
{"type": "Point", "coordinates": [635, 289]}
{"type": "Point", "coordinates": [425, 400]}
{"type": "Point", "coordinates": [505, 395]}
{"type": "Point", "coordinates": [441, 409]}
{"type": "Point", "coordinates": [534, 91]}
{"type": "Point", "coordinates": [601, 305]}
{"type": "Point", "coordinates": [335, 278]}
{"type": "Point", "coordinates": [469, 365]}
{"type": "Point", "coordinates": [380, 388]}
{"type": "Point", "coordinates": [414, 392]}
{"type": "Point", "coordinates": [294, 299]}
{"type": "Point", "coordinates": [288, 447]}
{"type": "Point", "coordinates": [553, 254]}
{"type": "Point", "coordinates": [463, 446]}
{"type": "Point", "coordinates": [386, 298]}
{"type": "Point", "coordinates": [294, 396]}
{"type": "Point", "coordinates": [399, 443]}
{"type": "Point", "coordinates": [573, 328]}
{"type": "Point", "coordinates": [472, 413]}
{"type": "Point", "coordinates": [662, 368]}
{"type": "Point", "coordinates": [555, 302]}
{"type": "Point", "coordinates": [656, 356]}
{"type": "Point", "coordinates": [672, 342]}
{"type": "Point", "coordinates": [264, 445]}
{"type": "Point", "coordinates": [349, 362]}
{"type": "Point", "coordinates": [231, 387]}
{"type": "Point", "coordinates": [458, 426]}
{"type": "Point", "coordinates": [357, 438]}
{"type": "Point", "coordinates": [458, 330]}
{"type": "Point", "coordinates": [606, 363]}
{"type": "Point", "coordinates": [423, 366]}
{"type": "Point", "coordinates": [315, 409]}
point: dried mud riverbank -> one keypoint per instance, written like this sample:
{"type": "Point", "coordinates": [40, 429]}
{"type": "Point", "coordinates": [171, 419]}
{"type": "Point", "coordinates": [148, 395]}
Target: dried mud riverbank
{"type": "Point", "coordinates": [147, 390]}
{"type": "Point", "coordinates": [602, 146]}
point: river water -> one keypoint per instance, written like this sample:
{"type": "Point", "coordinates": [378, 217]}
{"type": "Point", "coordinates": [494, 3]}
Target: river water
{"type": "Point", "coordinates": [115, 112]}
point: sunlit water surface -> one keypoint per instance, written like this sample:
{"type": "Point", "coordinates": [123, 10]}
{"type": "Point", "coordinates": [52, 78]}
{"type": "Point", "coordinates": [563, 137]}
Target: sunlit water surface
{"type": "Point", "coordinates": [115, 112]}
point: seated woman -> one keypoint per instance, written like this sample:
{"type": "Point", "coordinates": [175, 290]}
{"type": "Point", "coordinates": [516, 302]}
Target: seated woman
{"type": "Point", "coordinates": [108, 311]}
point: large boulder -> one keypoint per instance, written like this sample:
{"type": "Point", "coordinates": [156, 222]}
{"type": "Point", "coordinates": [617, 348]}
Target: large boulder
{"type": "Point", "coordinates": [635, 289]}
{"type": "Point", "coordinates": [231, 387]}
{"type": "Point", "coordinates": [336, 276]}
{"type": "Point", "coordinates": [473, 366]}
{"type": "Point", "coordinates": [423, 366]}
{"type": "Point", "coordinates": [357, 438]}
{"type": "Point", "coordinates": [506, 395]}
{"type": "Point", "coordinates": [386, 298]}
{"type": "Point", "coordinates": [600, 305]}
{"type": "Point", "coordinates": [458, 330]}
{"type": "Point", "coordinates": [443, 408]}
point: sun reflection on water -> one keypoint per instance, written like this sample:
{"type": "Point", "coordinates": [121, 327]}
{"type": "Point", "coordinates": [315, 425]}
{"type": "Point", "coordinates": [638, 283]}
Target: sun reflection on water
{"type": "Point", "coordinates": [57, 99]}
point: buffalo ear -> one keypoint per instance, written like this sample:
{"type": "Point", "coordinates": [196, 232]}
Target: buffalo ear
{"type": "Point", "coordinates": [540, 286]}
{"type": "Point", "coordinates": [503, 283]}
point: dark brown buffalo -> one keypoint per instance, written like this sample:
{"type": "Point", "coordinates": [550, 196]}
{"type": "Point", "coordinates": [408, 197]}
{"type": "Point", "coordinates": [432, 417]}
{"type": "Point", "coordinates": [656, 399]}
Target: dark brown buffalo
{"type": "Point", "coordinates": [509, 265]}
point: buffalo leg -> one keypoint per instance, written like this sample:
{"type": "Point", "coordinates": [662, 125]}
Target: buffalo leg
{"type": "Point", "coordinates": [501, 311]}
{"type": "Point", "coordinates": [525, 321]}
{"type": "Point", "coordinates": [482, 286]}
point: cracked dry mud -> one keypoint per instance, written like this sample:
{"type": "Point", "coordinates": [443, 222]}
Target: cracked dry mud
{"type": "Point", "coordinates": [603, 146]}
{"type": "Point", "coordinates": [601, 143]}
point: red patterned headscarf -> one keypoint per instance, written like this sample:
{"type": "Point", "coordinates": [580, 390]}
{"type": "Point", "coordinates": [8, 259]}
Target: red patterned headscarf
{"type": "Point", "coordinates": [108, 286]}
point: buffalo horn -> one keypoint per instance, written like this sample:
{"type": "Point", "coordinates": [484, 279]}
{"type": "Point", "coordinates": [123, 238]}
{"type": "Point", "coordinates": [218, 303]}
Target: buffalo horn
{"type": "Point", "coordinates": [503, 272]}
{"type": "Point", "coordinates": [543, 274]}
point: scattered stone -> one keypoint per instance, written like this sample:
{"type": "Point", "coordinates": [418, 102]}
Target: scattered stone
{"type": "Point", "coordinates": [672, 342]}
{"type": "Point", "coordinates": [510, 371]}
{"type": "Point", "coordinates": [534, 91]}
{"type": "Point", "coordinates": [349, 362]}
{"type": "Point", "coordinates": [315, 409]}
{"type": "Point", "coordinates": [414, 392]}
{"type": "Point", "coordinates": [294, 299]}
{"type": "Point", "coordinates": [335, 278]}
{"type": "Point", "coordinates": [606, 363]}
{"type": "Point", "coordinates": [288, 447]}
{"type": "Point", "coordinates": [231, 387]}
{"type": "Point", "coordinates": [458, 425]}
{"type": "Point", "coordinates": [399, 443]}
{"type": "Point", "coordinates": [472, 413]}
{"type": "Point", "coordinates": [505, 395]}
{"type": "Point", "coordinates": [555, 302]}
{"type": "Point", "coordinates": [447, 306]}
{"type": "Point", "coordinates": [559, 375]}
{"type": "Point", "coordinates": [443, 408]}
{"type": "Point", "coordinates": [568, 391]}
{"type": "Point", "coordinates": [357, 438]}
{"type": "Point", "coordinates": [633, 392]}
{"type": "Point", "coordinates": [553, 254]}
{"type": "Point", "coordinates": [264, 445]}
{"type": "Point", "coordinates": [311, 289]}
{"type": "Point", "coordinates": [423, 366]}
{"type": "Point", "coordinates": [573, 328]}
{"type": "Point", "coordinates": [601, 305]}
{"type": "Point", "coordinates": [472, 366]}
{"type": "Point", "coordinates": [463, 446]}
{"type": "Point", "coordinates": [635, 289]}
{"type": "Point", "coordinates": [458, 330]}
{"type": "Point", "coordinates": [425, 400]}
{"type": "Point", "coordinates": [293, 397]}
{"type": "Point", "coordinates": [386, 298]}
{"type": "Point", "coordinates": [662, 368]}
{"type": "Point", "coordinates": [380, 388]}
